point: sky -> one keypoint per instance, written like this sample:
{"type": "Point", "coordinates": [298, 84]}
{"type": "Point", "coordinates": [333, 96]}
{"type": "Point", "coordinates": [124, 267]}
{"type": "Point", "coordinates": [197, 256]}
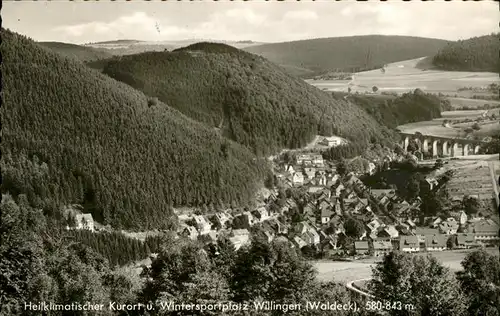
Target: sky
{"type": "Point", "coordinates": [83, 22]}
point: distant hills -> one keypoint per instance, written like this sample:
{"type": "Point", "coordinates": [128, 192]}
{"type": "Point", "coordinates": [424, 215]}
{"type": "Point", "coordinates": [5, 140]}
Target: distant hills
{"type": "Point", "coordinates": [308, 58]}
{"type": "Point", "coordinates": [246, 97]}
{"type": "Point", "coordinates": [129, 47]}
{"type": "Point", "coordinates": [474, 54]}
{"type": "Point", "coordinates": [78, 52]}
{"type": "Point", "coordinates": [73, 135]}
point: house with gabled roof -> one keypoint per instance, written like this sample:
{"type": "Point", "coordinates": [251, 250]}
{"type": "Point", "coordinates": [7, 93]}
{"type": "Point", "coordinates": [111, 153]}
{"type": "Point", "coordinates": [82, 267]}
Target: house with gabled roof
{"type": "Point", "coordinates": [338, 188]}
{"type": "Point", "coordinates": [220, 219]}
{"type": "Point", "coordinates": [430, 183]}
{"type": "Point", "coordinates": [314, 189]}
{"type": "Point", "coordinates": [435, 221]}
{"type": "Point", "coordinates": [381, 247]}
{"type": "Point", "coordinates": [326, 214]}
{"type": "Point", "coordinates": [361, 247]}
{"type": "Point", "coordinates": [460, 217]}
{"type": "Point", "coordinates": [202, 224]}
{"type": "Point", "coordinates": [435, 242]}
{"type": "Point", "coordinates": [276, 226]}
{"type": "Point", "coordinates": [297, 179]}
{"type": "Point", "coordinates": [466, 241]}
{"type": "Point", "coordinates": [379, 193]}
{"type": "Point", "coordinates": [310, 173]}
{"type": "Point", "coordinates": [299, 242]}
{"type": "Point", "coordinates": [332, 180]}
{"type": "Point", "coordinates": [84, 221]}
{"type": "Point", "coordinates": [301, 227]}
{"type": "Point", "coordinates": [311, 237]}
{"type": "Point", "coordinates": [374, 225]}
{"type": "Point", "coordinates": [486, 231]}
{"type": "Point", "coordinates": [409, 244]}
{"type": "Point", "coordinates": [190, 232]}
{"type": "Point", "coordinates": [261, 214]}
{"type": "Point", "coordinates": [389, 232]}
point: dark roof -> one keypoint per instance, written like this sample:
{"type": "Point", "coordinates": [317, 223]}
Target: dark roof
{"type": "Point", "coordinates": [435, 240]}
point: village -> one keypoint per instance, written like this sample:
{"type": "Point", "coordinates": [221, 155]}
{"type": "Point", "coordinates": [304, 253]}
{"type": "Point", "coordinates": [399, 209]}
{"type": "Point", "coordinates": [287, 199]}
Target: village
{"type": "Point", "coordinates": [332, 216]}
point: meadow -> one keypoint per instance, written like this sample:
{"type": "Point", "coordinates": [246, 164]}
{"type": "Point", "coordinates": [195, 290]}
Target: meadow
{"type": "Point", "coordinates": [404, 76]}
{"type": "Point", "coordinates": [436, 128]}
{"type": "Point", "coordinates": [349, 271]}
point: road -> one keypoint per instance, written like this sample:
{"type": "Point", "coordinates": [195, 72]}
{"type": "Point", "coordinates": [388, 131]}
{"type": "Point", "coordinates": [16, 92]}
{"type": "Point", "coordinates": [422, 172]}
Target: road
{"type": "Point", "coordinates": [350, 286]}
{"type": "Point", "coordinates": [492, 165]}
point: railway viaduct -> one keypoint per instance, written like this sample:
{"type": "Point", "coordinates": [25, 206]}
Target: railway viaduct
{"type": "Point", "coordinates": [442, 146]}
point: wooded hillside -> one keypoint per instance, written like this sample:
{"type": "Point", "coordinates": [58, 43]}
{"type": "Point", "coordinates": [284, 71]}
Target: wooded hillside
{"type": "Point", "coordinates": [308, 58]}
{"type": "Point", "coordinates": [251, 100]}
{"type": "Point", "coordinates": [73, 135]}
{"type": "Point", "coordinates": [474, 54]}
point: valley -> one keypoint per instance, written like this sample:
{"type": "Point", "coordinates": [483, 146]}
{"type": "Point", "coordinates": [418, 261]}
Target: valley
{"type": "Point", "coordinates": [404, 76]}
{"type": "Point", "coordinates": [151, 166]}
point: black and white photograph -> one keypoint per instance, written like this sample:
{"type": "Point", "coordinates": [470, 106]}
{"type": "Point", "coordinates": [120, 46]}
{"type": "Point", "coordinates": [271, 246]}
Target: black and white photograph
{"type": "Point", "coordinates": [250, 158]}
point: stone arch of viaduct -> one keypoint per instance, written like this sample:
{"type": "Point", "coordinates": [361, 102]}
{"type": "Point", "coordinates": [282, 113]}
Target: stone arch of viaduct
{"type": "Point", "coordinates": [436, 145]}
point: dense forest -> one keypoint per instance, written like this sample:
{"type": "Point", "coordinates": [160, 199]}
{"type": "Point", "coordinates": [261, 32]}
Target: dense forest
{"type": "Point", "coordinates": [73, 135]}
{"type": "Point", "coordinates": [78, 52]}
{"type": "Point", "coordinates": [474, 54]}
{"type": "Point", "coordinates": [41, 263]}
{"type": "Point", "coordinates": [307, 58]}
{"type": "Point", "coordinates": [117, 248]}
{"type": "Point", "coordinates": [392, 111]}
{"type": "Point", "coordinates": [247, 98]}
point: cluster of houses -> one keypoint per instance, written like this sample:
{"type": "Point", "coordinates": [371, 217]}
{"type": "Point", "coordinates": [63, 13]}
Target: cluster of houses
{"type": "Point", "coordinates": [318, 219]}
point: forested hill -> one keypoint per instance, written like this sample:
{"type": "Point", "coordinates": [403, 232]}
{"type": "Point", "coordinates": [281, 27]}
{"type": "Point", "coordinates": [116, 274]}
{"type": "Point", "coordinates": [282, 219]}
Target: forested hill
{"type": "Point", "coordinates": [251, 100]}
{"type": "Point", "coordinates": [474, 54]}
{"type": "Point", "coordinates": [393, 111]}
{"type": "Point", "coordinates": [73, 135]}
{"type": "Point", "coordinates": [308, 58]}
{"type": "Point", "coordinates": [81, 53]}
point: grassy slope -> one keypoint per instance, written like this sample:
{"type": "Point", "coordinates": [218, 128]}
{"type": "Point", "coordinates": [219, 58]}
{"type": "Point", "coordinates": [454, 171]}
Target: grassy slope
{"type": "Point", "coordinates": [99, 143]}
{"type": "Point", "coordinates": [81, 53]}
{"type": "Point", "coordinates": [254, 101]}
{"type": "Point", "coordinates": [347, 53]}
{"type": "Point", "coordinates": [474, 54]}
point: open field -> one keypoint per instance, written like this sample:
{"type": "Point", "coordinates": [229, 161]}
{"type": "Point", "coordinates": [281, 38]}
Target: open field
{"type": "Point", "coordinates": [489, 129]}
{"type": "Point", "coordinates": [471, 103]}
{"type": "Point", "coordinates": [472, 177]}
{"type": "Point", "coordinates": [404, 76]}
{"type": "Point", "coordinates": [436, 128]}
{"type": "Point", "coordinates": [350, 271]}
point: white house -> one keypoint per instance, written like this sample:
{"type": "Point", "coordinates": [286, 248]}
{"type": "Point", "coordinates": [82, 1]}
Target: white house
{"type": "Point", "coordinates": [261, 214]}
{"type": "Point", "coordinates": [202, 224]}
{"type": "Point", "coordinates": [84, 221]}
{"type": "Point", "coordinates": [190, 232]}
{"type": "Point", "coordinates": [331, 141]}
{"type": "Point", "coordinates": [298, 178]}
